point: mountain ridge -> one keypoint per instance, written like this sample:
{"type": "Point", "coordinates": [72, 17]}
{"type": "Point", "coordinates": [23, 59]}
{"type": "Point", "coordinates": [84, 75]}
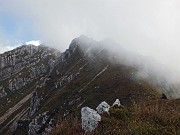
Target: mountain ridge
{"type": "Point", "coordinates": [48, 84]}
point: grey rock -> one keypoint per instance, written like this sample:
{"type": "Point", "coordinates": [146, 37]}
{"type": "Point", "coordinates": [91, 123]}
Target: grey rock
{"type": "Point", "coordinates": [90, 119]}
{"type": "Point", "coordinates": [117, 102]}
{"type": "Point", "coordinates": [34, 104]}
{"type": "Point", "coordinates": [103, 107]}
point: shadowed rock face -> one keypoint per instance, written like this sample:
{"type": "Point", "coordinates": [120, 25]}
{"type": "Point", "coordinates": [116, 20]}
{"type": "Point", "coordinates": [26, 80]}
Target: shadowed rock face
{"type": "Point", "coordinates": [43, 79]}
{"type": "Point", "coordinates": [34, 104]}
{"type": "Point", "coordinates": [43, 123]}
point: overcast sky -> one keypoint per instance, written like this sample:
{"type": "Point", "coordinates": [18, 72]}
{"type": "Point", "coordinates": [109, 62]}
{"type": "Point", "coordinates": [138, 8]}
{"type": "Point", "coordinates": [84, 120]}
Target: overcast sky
{"type": "Point", "coordinates": [148, 27]}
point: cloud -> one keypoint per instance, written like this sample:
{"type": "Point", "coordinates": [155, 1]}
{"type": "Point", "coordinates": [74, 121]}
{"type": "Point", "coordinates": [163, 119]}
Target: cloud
{"type": "Point", "coordinates": [6, 48]}
{"type": "Point", "coordinates": [150, 28]}
{"type": "Point", "coordinates": [34, 42]}
{"type": "Point", "coordinates": [4, 42]}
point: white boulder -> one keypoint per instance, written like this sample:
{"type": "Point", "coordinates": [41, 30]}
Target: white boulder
{"type": "Point", "coordinates": [90, 119]}
{"type": "Point", "coordinates": [103, 107]}
{"type": "Point", "coordinates": [117, 102]}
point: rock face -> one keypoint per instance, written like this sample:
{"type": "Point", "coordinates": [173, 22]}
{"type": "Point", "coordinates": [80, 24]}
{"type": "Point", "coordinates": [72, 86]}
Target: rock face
{"type": "Point", "coordinates": [103, 107]}
{"type": "Point", "coordinates": [22, 71]}
{"type": "Point", "coordinates": [117, 103]}
{"type": "Point", "coordinates": [42, 124]}
{"type": "Point", "coordinates": [90, 119]}
{"type": "Point", "coordinates": [12, 57]}
{"type": "Point", "coordinates": [2, 92]}
{"type": "Point", "coordinates": [34, 104]}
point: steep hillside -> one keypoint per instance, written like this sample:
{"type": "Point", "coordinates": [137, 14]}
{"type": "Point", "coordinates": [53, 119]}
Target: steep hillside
{"type": "Point", "coordinates": [39, 85]}
{"type": "Point", "coordinates": [21, 70]}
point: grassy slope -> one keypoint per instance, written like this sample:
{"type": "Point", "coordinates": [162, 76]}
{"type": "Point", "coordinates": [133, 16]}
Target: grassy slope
{"type": "Point", "coordinates": [118, 81]}
{"type": "Point", "coordinates": [158, 118]}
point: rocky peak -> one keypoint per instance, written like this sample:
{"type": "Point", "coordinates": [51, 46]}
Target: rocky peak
{"type": "Point", "coordinates": [83, 42]}
{"type": "Point", "coordinates": [10, 58]}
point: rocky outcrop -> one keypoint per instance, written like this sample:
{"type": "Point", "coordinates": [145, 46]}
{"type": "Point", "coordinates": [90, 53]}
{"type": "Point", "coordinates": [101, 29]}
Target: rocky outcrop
{"type": "Point", "coordinates": [117, 103]}
{"type": "Point", "coordinates": [103, 107]}
{"type": "Point", "coordinates": [90, 119]}
{"type": "Point", "coordinates": [21, 70]}
{"type": "Point", "coordinates": [64, 80]}
{"type": "Point", "coordinates": [34, 104]}
{"type": "Point", "coordinates": [2, 92]}
{"type": "Point", "coordinates": [42, 123]}
{"type": "Point", "coordinates": [14, 56]}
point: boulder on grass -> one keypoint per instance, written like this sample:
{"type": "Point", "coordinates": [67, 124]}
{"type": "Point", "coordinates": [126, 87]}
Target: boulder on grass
{"type": "Point", "coordinates": [90, 119]}
{"type": "Point", "coordinates": [117, 103]}
{"type": "Point", "coordinates": [103, 107]}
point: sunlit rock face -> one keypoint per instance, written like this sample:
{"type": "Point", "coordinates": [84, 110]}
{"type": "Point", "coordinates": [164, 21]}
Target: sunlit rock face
{"type": "Point", "coordinates": [90, 119]}
{"type": "Point", "coordinates": [14, 56]}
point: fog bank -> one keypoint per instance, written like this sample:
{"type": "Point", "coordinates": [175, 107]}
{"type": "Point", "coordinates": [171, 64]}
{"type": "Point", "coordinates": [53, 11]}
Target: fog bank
{"type": "Point", "coordinates": [148, 28]}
